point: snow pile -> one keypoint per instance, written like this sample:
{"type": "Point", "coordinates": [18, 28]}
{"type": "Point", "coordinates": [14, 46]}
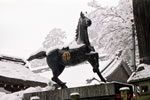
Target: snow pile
{"type": "Point", "coordinates": [142, 73]}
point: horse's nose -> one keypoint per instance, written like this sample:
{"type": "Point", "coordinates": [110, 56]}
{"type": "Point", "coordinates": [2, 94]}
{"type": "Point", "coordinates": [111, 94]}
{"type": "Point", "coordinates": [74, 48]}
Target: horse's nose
{"type": "Point", "coordinates": [89, 22]}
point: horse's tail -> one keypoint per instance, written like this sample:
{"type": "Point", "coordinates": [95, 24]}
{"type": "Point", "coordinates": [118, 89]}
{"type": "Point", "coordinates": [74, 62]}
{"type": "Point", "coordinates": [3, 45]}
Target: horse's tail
{"type": "Point", "coordinates": [39, 55]}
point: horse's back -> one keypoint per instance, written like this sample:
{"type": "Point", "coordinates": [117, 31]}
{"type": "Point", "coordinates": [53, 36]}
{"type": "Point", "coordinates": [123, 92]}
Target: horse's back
{"type": "Point", "coordinates": [73, 56]}
{"type": "Point", "coordinates": [67, 56]}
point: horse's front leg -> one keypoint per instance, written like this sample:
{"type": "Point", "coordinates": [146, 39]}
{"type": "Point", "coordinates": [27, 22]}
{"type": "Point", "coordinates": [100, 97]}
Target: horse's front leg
{"type": "Point", "coordinates": [96, 70]}
{"type": "Point", "coordinates": [94, 61]}
{"type": "Point", "coordinates": [99, 74]}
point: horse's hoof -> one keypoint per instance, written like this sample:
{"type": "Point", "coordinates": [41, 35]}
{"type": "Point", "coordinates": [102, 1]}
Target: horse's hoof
{"type": "Point", "coordinates": [64, 86]}
{"type": "Point", "coordinates": [105, 80]}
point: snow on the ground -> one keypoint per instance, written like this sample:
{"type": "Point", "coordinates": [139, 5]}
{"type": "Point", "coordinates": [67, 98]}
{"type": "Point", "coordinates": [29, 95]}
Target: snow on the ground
{"type": "Point", "coordinates": [19, 95]}
{"type": "Point", "coordinates": [13, 70]}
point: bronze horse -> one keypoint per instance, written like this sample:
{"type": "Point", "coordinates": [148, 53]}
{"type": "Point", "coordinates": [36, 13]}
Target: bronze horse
{"type": "Point", "coordinates": [57, 59]}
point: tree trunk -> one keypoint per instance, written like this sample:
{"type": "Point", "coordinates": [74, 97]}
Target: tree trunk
{"type": "Point", "coordinates": [141, 10]}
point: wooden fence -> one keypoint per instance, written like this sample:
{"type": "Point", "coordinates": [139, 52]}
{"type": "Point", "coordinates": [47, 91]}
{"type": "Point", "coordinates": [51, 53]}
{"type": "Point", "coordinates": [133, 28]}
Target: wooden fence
{"type": "Point", "coordinates": [108, 91]}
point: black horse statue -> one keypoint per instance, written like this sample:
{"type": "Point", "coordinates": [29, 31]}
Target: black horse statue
{"type": "Point", "coordinates": [57, 59]}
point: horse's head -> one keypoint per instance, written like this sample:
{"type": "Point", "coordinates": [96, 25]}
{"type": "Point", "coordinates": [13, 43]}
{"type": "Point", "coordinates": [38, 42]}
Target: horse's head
{"type": "Point", "coordinates": [84, 20]}
{"type": "Point", "coordinates": [82, 34]}
{"type": "Point", "coordinates": [83, 23]}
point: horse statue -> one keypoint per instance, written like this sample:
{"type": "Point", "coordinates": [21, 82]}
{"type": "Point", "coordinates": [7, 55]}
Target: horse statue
{"type": "Point", "coordinates": [57, 58]}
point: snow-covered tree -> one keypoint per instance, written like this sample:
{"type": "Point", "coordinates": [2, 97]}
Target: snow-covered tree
{"type": "Point", "coordinates": [111, 29]}
{"type": "Point", "coordinates": [55, 37]}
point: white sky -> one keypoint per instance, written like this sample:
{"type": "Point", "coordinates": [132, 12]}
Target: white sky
{"type": "Point", "coordinates": [25, 23]}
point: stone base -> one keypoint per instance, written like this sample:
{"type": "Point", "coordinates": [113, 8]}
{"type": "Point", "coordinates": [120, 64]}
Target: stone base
{"type": "Point", "coordinates": [105, 91]}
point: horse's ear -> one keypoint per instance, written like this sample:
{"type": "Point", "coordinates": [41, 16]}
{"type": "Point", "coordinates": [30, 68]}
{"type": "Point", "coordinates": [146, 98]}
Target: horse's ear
{"type": "Point", "coordinates": [81, 14]}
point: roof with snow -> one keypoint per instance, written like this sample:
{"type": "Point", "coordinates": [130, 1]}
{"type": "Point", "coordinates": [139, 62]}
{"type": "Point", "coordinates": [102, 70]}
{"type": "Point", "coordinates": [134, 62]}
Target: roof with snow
{"type": "Point", "coordinates": [116, 70]}
{"type": "Point", "coordinates": [142, 74]}
{"type": "Point", "coordinates": [13, 59]}
{"type": "Point", "coordinates": [14, 73]}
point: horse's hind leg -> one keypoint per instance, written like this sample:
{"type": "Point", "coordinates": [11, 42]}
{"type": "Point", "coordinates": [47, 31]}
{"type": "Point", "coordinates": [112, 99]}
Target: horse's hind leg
{"type": "Point", "coordinates": [56, 72]}
{"type": "Point", "coordinates": [59, 82]}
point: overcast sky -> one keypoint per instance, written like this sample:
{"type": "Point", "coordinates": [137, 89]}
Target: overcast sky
{"type": "Point", "coordinates": [25, 23]}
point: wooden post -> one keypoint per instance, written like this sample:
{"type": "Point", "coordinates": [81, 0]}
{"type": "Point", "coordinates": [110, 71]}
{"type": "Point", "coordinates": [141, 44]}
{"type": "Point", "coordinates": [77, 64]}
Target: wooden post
{"type": "Point", "coordinates": [35, 98]}
{"type": "Point", "coordinates": [133, 47]}
{"type": "Point", "coordinates": [124, 92]}
{"type": "Point", "coordinates": [141, 11]}
{"type": "Point", "coordinates": [75, 96]}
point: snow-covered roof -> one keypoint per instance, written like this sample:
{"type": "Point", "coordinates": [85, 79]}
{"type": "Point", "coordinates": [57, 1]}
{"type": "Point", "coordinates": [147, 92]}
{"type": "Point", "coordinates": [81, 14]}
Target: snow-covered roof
{"type": "Point", "coordinates": [142, 73]}
{"type": "Point", "coordinates": [14, 71]}
{"type": "Point", "coordinates": [113, 65]}
{"type": "Point", "coordinates": [13, 59]}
